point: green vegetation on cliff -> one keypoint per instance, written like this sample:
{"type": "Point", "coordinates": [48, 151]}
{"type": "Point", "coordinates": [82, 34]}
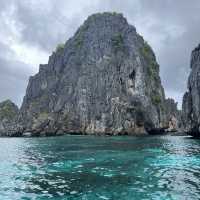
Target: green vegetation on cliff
{"type": "Point", "coordinates": [79, 42]}
{"type": "Point", "coordinates": [8, 110]}
{"type": "Point", "coordinates": [153, 67]}
{"type": "Point", "coordinates": [60, 47]}
{"type": "Point", "coordinates": [156, 99]}
{"type": "Point", "coordinates": [118, 42]}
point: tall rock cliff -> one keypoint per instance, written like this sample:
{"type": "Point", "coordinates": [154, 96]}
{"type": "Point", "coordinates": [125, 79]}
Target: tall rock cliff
{"type": "Point", "coordinates": [104, 80]}
{"type": "Point", "coordinates": [191, 99]}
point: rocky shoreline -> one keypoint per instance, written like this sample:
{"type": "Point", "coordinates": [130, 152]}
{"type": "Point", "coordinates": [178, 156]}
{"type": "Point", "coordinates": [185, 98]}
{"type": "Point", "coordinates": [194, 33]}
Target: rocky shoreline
{"type": "Point", "coordinates": [156, 133]}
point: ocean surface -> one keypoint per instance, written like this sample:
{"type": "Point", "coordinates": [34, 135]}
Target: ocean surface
{"type": "Point", "coordinates": [90, 168]}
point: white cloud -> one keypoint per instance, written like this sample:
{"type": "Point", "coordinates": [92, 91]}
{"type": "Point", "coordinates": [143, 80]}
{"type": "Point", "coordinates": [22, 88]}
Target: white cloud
{"type": "Point", "coordinates": [31, 56]}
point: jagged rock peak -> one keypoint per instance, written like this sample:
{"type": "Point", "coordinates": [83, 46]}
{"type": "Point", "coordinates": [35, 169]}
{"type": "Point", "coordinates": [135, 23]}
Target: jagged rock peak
{"type": "Point", "coordinates": [113, 21]}
{"type": "Point", "coordinates": [106, 16]}
{"type": "Point", "coordinates": [93, 39]}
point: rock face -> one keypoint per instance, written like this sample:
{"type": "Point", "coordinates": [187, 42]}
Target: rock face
{"type": "Point", "coordinates": [191, 99]}
{"type": "Point", "coordinates": [174, 116]}
{"type": "Point", "coordinates": [8, 118]}
{"type": "Point", "coordinates": [104, 80]}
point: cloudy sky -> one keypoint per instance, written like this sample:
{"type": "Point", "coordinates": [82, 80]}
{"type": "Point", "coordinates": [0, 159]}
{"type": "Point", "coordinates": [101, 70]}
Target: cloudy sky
{"type": "Point", "coordinates": [31, 29]}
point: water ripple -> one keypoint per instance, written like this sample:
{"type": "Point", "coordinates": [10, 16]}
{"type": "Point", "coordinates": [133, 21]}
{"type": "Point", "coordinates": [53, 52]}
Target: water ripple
{"type": "Point", "coordinates": [100, 168]}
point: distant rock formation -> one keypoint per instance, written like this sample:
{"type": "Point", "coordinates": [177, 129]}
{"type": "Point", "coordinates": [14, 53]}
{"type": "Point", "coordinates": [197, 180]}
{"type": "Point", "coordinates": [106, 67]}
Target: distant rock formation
{"type": "Point", "coordinates": [174, 116]}
{"type": "Point", "coordinates": [104, 80]}
{"type": "Point", "coordinates": [191, 99]}
{"type": "Point", "coordinates": [8, 118]}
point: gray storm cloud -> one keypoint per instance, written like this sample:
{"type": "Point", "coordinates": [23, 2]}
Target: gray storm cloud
{"type": "Point", "coordinates": [171, 27]}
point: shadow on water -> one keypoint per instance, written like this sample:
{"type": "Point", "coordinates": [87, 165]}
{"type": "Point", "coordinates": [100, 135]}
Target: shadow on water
{"type": "Point", "coordinates": [77, 167]}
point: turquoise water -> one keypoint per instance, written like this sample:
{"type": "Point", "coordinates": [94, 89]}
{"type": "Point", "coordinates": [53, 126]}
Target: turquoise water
{"type": "Point", "coordinates": [90, 168]}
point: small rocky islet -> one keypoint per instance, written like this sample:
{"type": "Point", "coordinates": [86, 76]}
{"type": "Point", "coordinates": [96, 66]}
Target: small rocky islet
{"type": "Point", "coordinates": [102, 81]}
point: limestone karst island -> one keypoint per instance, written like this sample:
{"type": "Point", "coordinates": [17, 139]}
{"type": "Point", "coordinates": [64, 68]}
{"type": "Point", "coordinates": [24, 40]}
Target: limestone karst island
{"type": "Point", "coordinates": [102, 81]}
